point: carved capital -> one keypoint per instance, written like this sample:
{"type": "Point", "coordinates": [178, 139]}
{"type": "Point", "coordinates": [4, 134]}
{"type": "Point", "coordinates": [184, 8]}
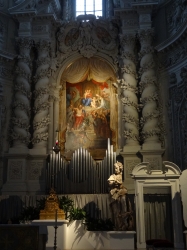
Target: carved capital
{"type": "Point", "coordinates": [43, 45]}
{"type": "Point", "coordinates": [24, 43]}
{"type": "Point", "coordinates": [127, 40]}
{"type": "Point", "coordinates": [146, 36]}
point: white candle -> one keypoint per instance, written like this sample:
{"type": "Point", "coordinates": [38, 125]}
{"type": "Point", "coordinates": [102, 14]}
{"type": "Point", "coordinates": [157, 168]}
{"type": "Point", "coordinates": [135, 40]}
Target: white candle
{"type": "Point", "coordinates": [56, 218]}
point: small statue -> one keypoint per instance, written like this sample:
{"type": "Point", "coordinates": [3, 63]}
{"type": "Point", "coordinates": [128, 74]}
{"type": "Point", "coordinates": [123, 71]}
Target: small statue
{"type": "Point", "coordinates": [120, 204]}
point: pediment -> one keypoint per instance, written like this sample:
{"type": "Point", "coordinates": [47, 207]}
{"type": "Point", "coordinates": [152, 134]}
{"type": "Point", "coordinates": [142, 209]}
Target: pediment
{"type": "Point", "coordinates": [142, 170]}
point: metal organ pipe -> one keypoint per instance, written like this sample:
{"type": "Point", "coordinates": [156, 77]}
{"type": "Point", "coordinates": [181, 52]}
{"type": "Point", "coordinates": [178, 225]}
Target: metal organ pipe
{"type": "Point", "coordinates": [81, 168]}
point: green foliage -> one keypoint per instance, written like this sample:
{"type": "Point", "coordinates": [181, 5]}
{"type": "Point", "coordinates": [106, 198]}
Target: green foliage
{"type": "Point", "coordinates": [30, 213]}
{"type": "Point", "coordinates": [41, 203]}
{"type": "Point", "coordinates": [66, 204]}
{"type": "Point", "coordinates": [93, 224]}
{"type": "Point", "coordinates": [77, 214]}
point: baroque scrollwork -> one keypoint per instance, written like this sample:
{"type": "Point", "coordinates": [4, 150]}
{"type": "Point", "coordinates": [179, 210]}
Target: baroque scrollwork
{"type": "Point", "coordinates": [88, 38]}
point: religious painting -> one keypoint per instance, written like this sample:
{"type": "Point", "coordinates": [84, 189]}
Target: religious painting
{"type": "Point", "coordinates": [87, 116]}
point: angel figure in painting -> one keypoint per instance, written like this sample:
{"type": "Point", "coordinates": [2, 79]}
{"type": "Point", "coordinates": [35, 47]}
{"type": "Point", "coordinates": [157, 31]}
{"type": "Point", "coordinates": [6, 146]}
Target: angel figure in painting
{"type": "Point", "coordinates": [122, 214]}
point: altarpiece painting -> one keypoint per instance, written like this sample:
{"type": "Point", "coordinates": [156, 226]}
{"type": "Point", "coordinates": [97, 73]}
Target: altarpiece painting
{"type": "Point", "coordinates": [89, 117]}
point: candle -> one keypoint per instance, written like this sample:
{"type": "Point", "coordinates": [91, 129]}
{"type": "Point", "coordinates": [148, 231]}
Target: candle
{"type": "Point", "coordinates": [56, 213]}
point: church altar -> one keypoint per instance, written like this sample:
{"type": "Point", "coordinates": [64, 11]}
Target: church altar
{"type": "Point", "coordinates": [73, 235]}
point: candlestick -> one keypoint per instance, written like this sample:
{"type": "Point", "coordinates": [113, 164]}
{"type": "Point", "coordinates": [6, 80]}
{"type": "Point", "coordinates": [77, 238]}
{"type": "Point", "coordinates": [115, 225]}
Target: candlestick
{"type": "Point", "coordinates": [55, 238]}
{"type": "Point", "coordinates": [56, 213]}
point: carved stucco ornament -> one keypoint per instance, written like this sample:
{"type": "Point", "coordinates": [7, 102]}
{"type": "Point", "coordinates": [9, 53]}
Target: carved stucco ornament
{"type": "Point", "coordinates": [88, 38]}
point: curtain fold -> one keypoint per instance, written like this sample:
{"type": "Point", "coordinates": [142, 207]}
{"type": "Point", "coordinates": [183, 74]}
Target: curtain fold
{"type": "Point", "coordinates": [158, 217]}
{"type": "Point", "coordinates": [84, 68]}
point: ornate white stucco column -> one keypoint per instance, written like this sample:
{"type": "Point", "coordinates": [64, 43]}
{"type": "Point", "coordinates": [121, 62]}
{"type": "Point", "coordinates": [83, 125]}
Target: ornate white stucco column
{"type": "Point", "coordinates": [129, 91]}
{"type": "Point", "coordinates": [21, 105]}
{"type": "Point", "coordinates": [130, 107]}
{"type": "Point", "coordinates": [149, 92]}
{"type": "Point", "coordinates": [41, 95]}
{"type": "Point", "coordinates": [151, 120]}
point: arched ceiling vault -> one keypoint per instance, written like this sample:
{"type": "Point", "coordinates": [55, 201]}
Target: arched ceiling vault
{"type": "Point", "coordinates": [87, 69]}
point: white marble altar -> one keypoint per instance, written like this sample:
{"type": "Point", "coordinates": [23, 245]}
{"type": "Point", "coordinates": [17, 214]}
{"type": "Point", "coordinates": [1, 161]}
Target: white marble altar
{"type": "Point", "coordinates": [46, 227]}
{"type": "Point", "coordinates": [73, 235]}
